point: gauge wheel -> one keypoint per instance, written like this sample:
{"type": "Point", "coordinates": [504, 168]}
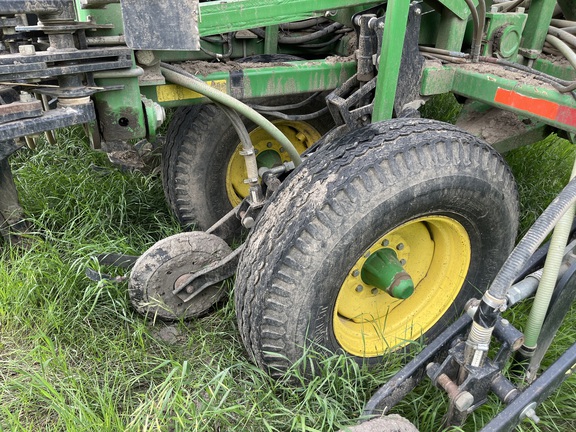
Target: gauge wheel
{"type": "Point", "coordinates": [203, 171]}
{"type": "Point", "coordinates": [374, 244]}
{"type": "Point", "coordinates": [164, 266]}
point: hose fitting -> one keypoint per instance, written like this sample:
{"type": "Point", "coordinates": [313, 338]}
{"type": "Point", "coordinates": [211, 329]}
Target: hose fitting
{"type": "Point", "coordinates": [478, 342]}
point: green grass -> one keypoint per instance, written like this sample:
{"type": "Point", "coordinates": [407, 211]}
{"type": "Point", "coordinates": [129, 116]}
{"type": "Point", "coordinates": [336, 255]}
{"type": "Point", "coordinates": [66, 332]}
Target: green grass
{"type": "Point", "coordinates": [75, 356]}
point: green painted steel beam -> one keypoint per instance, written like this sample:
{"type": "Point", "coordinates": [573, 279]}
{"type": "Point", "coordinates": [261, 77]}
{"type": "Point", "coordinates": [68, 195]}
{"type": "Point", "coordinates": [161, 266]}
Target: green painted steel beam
{"type": "Point", "coordinates": [503, 89]}
{"type": "Point", "coordinates": [271, 39]}
{"type": "Point", "coordinates": [223, 17]}
{"type": "Point", "coordinates": [390, 58]}
{"type": "Point", "coordinates": [299, 77]}
{"type": "Point", "coordinates": [458, 7]}
{"type": "Point", "coordinates": [536, 28]}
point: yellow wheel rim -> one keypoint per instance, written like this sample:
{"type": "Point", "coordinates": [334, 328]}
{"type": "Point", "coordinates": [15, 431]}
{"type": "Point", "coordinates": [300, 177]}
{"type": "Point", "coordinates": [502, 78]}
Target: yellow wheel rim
{"type": "Point", "coordinates": [435, 252]}
{"type": "Point", "coordinates": [268, 153]}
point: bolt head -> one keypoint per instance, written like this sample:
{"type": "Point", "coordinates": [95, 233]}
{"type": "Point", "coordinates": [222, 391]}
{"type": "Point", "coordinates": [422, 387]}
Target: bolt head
{"type": "Point", "coordinates": [248, 222]}
{"type": "Point", "coordinates": [463, 401]}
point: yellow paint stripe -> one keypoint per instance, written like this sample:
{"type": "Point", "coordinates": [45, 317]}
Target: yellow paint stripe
{"type": "Point", "coordinates": [172, 92]}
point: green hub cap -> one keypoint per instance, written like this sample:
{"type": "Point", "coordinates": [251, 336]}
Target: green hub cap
{"type": "Point", "coordinates": [383, 270]}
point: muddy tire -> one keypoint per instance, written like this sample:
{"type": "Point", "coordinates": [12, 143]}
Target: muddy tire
{"type": "Point", "coordinates": [203, 173]}
{"type": "Point", "coordinates": [442, 201]}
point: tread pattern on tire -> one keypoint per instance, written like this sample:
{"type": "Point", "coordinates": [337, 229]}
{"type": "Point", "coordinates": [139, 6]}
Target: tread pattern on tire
{"type": "Point", "coordinates": [312, 203]}
{"type": "Point", "coordinates": [177, 158]}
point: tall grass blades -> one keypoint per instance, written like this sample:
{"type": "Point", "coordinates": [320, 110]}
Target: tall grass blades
{"type": "Point", "coordinates": [74, 356]}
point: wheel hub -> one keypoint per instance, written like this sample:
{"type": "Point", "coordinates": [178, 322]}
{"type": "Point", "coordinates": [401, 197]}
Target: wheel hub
{"type": "Point", "coordinates": [428, 258]}
{"type": "Point", "coordinates": [383, 270]}
{"type": "Point", "coordinates": [269, 153]}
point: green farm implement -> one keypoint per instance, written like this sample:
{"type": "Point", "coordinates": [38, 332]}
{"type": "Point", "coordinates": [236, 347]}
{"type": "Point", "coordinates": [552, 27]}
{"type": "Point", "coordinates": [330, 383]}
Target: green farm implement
{"type": "Point", "coordinates": [299, 127]}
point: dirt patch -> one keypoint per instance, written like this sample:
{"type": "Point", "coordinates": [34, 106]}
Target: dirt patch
{"type": "Point", "coordinates": [204, 68]}
{"type": "Point", "coordinates": [507, 73]}
{"type": "Point", "coordinates": [493, 125]}
{"type": "Point", "coordinates": [390, 423]}
{"type": "Point", "coordinates": [340, 59]}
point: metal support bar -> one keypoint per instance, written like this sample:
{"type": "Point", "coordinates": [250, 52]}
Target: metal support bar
{"type": "Point", "coordinates": [297, 77]}
{"type": "Point", "coordinates": [210, 275]}
{"type": "Point", "coordinates": [271, 39]}
{"type": "Point", "coordinates": [506, 89]}
{"type": "Point", "coordinates": [410, 375]}
{"type": "Point", "coordinates": [48, 64]}
{"type": "Point", "coordinates": [53, 119]}
{"type": "Point", "coordinates": [543, 387]}
{"type": "Point", "coordinates": [224, 17]}
{"type": "Point", "coordinates": [539, 17]}
{"type": "Point", "coordinates": [390, 58]}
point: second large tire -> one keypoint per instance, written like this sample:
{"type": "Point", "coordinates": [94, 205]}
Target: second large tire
{"type": "Point", "coordinates": [444, 202]}
{"type": "Point", "coordinates": [203, 172]}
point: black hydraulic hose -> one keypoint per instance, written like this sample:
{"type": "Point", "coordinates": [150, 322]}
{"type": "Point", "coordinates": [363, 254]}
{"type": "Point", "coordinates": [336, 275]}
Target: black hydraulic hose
{"type": "Point", "coordinates": [295, 40]}
{"type": "Point", "coordinates": [476, 35]}
{"type": "Point", "coordinates": [323, 44]}
{"type": "Point", "coordinates": [540, 75]}
{"type": "Point", "coordinates": [533, 238]}
{"type": "Point", "coordinates": [299, 25]}
{"type": "Point", "coordinates": [297, 117]}
{"type": "Point", "coordinates": [284, 107]}
{"type": "Point", "coordinates": [443, 52]}
{"type": "Point", "coordinates": [219, 56]}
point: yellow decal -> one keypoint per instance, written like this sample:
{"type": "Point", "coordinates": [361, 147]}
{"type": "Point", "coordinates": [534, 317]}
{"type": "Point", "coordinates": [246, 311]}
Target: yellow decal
{"type": "Point", "coordinates": [172, 92]}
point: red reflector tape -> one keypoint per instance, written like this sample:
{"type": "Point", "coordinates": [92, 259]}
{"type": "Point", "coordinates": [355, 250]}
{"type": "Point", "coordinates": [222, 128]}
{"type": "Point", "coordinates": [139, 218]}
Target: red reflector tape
{"type": "Point", "coordinates": [539, 107]}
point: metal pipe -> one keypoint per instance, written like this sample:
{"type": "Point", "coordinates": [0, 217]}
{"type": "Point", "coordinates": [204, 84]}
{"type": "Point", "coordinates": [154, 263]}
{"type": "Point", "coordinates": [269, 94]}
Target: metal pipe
{"type": "Point", "coordinates": [105, 40]}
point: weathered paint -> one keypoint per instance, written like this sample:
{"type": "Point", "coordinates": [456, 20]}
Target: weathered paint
{"type": "Point", "coordinates": [173, 92]}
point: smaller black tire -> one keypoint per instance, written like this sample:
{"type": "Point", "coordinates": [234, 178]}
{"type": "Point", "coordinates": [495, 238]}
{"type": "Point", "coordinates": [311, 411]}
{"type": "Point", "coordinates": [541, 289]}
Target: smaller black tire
{"type": "Point", "coordinates": [203, 172]}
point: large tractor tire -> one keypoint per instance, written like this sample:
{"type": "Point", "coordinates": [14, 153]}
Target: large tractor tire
{"type": "Point", "coordinates": [420, 199]}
